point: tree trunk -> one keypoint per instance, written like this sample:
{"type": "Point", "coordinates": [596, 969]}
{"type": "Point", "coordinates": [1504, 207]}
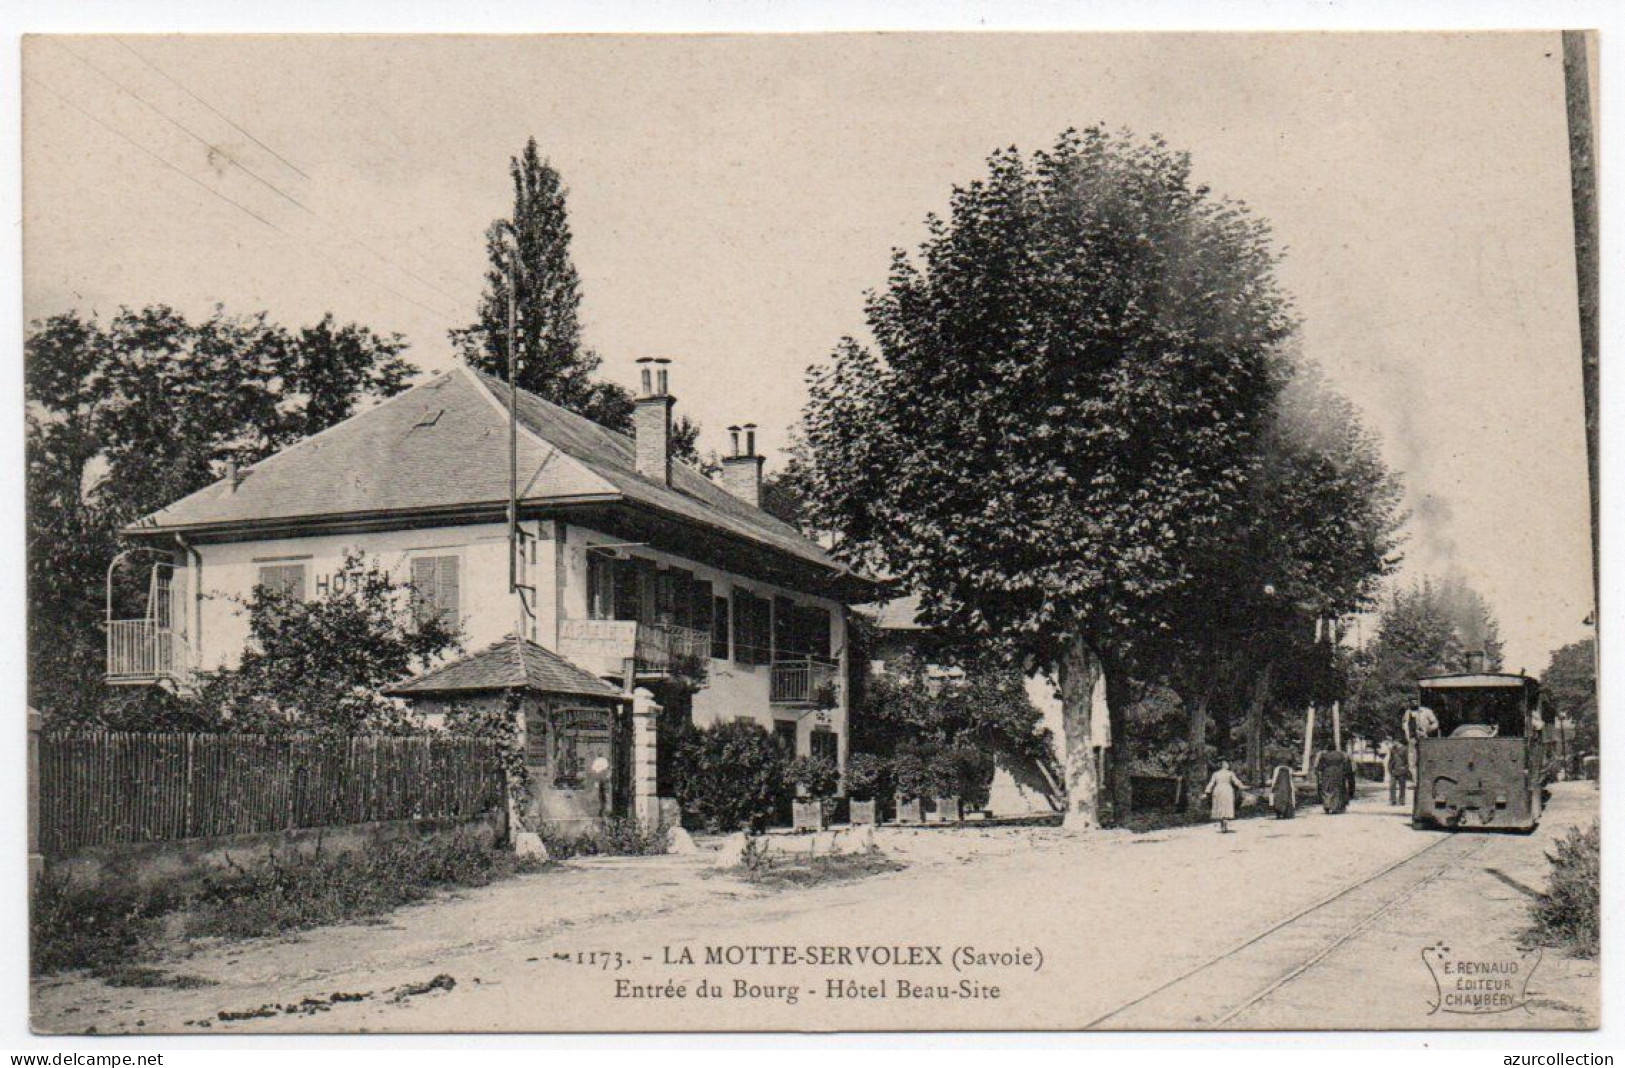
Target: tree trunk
{"type": "Point", "coordinates": [1196, 776]}
{"type": "Point", "coordinates": [1117, 702]}
{"type": "Point", "coordinates": [1078, 672]}
{"type": "Point", "coordinates": [1255, 725]}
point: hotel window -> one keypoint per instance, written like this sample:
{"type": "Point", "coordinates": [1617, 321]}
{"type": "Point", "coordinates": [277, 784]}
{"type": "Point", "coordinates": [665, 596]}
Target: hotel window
{"type": "Point", "coordinates": [436, 590]}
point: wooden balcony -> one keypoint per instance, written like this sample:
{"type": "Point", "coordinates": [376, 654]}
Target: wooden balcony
{"type": "Point", "coordinates": [657, 650]}
{"type": "Point", "coordinates": [140, 652]}
{"type": "Point", "coordinates": [800, 682]}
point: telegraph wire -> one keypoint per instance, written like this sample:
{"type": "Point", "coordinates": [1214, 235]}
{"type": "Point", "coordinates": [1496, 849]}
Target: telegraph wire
{"type": "Point", "coordinates": [182, 127]}
{"type": "Point", "coordinates": [386, 260]}
{"type": "Point", "coordinates": [207, 188]}
{"type": "Point", "coordinates": [212, 191]}
{"type": "Point", "coordinates": [269, 185]}
{"type": "Point", "coordinates": [217, 112]}
{"type": "Point", "coordinates": [382, 258]}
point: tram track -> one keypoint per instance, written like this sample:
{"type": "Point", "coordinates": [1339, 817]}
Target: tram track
{"type": "Point", "coordinates": [1273, 958]}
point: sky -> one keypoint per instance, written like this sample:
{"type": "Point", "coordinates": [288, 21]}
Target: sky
{"type": "Point", "coordinates": [732, 199]}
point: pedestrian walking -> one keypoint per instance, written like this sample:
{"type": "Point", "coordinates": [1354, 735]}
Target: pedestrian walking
{"type": "Point", "coordinates": [1223, 788]}
{"type": "Point", "coordinates": [1399, 772]}
{"type": "Point", "coordinates": [1283, 793]}
{"type": "Point", "coordinates": [1334, 779]}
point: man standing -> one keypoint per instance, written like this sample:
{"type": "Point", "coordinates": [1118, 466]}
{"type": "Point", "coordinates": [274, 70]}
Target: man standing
{"type": "Point", "coordinates": [1399, 771]}
{"type": "Point", "coordinates": [1419, 722]}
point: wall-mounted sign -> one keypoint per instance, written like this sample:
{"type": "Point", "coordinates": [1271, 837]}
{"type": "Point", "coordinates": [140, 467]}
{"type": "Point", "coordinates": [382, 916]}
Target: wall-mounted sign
{"type": "Point", "coordinates": [341, 582]}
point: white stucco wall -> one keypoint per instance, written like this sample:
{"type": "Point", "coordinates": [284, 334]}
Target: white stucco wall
{"type": "Point", "coordinates": [217, 624]}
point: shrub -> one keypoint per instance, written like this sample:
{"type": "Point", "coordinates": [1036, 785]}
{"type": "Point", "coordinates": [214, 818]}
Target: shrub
{"type": "Point", "coordinates": [816, 776]}
{"type": "Point", "coordinates": [730, 775]}
{"type": "Point", "coordinates": [100, 929]}
{"type": "Point", "coordinates": [619, 837]}
{"type": "Point", "coordinates": [866, 776]}
{"type": "Point", "coordinates": [1569, 913]}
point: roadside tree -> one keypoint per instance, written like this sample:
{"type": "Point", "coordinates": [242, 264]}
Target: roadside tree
{"type": "Point", "coordinates": [1058, 415]}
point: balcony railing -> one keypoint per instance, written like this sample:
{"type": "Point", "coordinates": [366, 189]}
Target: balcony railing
{"type": "Point", "coordinates": [603, 646]}
{"type": "Point", "coordinates": [801, 682]}
{"type": "Point", "coordinates": [142, 651]}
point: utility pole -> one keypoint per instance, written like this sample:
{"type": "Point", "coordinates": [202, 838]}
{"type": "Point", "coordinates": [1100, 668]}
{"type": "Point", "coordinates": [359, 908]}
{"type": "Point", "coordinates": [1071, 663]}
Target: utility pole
{"type": "Point", "coordinates": [515, 589]}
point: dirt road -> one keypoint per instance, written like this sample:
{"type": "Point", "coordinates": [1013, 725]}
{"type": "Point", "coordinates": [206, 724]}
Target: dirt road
{"type": "Point", "coordinates": [1316, 922]}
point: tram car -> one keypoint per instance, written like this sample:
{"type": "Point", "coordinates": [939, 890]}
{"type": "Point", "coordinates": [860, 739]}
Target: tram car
{"type": "Point", "coordinates": [1485, 769]}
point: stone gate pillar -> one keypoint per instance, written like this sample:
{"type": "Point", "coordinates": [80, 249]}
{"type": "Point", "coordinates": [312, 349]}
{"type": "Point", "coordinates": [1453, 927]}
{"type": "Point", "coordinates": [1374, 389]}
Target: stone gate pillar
{"type": "Point", "coordinates": [645, 755]}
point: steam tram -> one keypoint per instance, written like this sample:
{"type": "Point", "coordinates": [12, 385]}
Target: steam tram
{"type": "Point", "coordinates": [1486, 768]}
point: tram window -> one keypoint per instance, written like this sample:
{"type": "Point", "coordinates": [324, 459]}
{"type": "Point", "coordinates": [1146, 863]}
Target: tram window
{"type": "Point", "coordinates": [1492, 712]}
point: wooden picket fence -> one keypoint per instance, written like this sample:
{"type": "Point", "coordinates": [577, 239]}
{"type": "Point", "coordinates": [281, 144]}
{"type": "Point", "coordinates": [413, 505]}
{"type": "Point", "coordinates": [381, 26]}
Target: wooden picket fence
{"type": "Point", "coordinates": [104, 788]}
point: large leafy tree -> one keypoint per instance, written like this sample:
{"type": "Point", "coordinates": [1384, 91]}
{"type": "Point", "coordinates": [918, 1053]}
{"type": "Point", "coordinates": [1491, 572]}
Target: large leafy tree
{"type": "Point", "coordinates": [126, 415]}
{"type": "Point", "coordinates": [550, 359]}
{"type": "Point", "coordinates": [1317, 534]}
{"type": "Point", "coordinates": [1060, 409]}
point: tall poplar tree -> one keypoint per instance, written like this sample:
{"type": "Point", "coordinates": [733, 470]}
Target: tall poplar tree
{"type": "Point", "coordinates": [551, 360]}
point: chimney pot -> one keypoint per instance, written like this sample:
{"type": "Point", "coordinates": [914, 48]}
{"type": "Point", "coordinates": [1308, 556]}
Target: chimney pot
{"type": "Point", "coordinates": [651, 424]}
{"type": "Point", "coordinates": [742, 472]}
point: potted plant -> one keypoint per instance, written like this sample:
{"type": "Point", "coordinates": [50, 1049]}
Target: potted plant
{"type": "Point", "coordinates": [910, 781]}
{"type": "Point", "coordinates": [816, 779]}
{"type": "Point", "coordinates": [864, 772]}
{"type": "Point", "coordinates": [942, 774]}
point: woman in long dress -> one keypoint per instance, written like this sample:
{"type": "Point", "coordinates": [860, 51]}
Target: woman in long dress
{"type": "Point", "coordinates": [1283, 794]}
{"type": "Point", "coordinates": [1222, 788]}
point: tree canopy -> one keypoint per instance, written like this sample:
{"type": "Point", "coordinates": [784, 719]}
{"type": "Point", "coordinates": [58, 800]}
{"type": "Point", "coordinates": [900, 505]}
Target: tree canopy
{"type": "Point", "coordinates": [1061, 407]}
{"type": "Point", "coordinates": [127, 415]}
{"type": "Point", "coordinates": [1569, 689]}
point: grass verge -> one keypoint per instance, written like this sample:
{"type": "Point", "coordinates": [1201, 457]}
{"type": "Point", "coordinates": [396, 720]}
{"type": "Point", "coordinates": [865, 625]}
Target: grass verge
{"type": "Point", "coordinates": [786, 872]}
{"type": "Point", "coordinates": [112, 930]}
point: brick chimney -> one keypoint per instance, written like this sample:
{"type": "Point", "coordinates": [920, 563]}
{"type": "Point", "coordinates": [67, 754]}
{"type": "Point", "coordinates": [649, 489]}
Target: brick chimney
{"type": "Point", "coordinates": [651, 421]}
{"type": "Point", "coordinates": [742, 471]}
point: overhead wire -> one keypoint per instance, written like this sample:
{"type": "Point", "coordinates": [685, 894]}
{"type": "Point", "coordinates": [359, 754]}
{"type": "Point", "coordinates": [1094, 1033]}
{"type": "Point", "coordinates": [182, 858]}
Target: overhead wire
{"type": "Point", "coordinates": [214, 110]}
{"type": "Point", "coordinates": [212, 191]}
{"type": "Point", "coordinates": [273, 187]}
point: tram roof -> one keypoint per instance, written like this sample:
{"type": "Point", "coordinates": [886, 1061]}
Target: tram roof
{"type": "Point", "coordinates": [1474, 681]}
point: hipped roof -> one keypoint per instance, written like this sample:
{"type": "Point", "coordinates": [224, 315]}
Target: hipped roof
{"type": "Point", "coordinates": [439, 451]}
{"type": "Point", "coordinates": [511, 664]}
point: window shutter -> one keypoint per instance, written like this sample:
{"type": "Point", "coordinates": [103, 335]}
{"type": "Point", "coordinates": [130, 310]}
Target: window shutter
{"type": "Point", "coordinates": [286, 579]}
{"type": "Point", "coordinates": [741, 616]}
{"type": "Point", "coordinates": [719, 627]}
{"type": "Point", "coordinates": [448, 592]}
{"type": "Point", "coordinates": [423, 588]}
